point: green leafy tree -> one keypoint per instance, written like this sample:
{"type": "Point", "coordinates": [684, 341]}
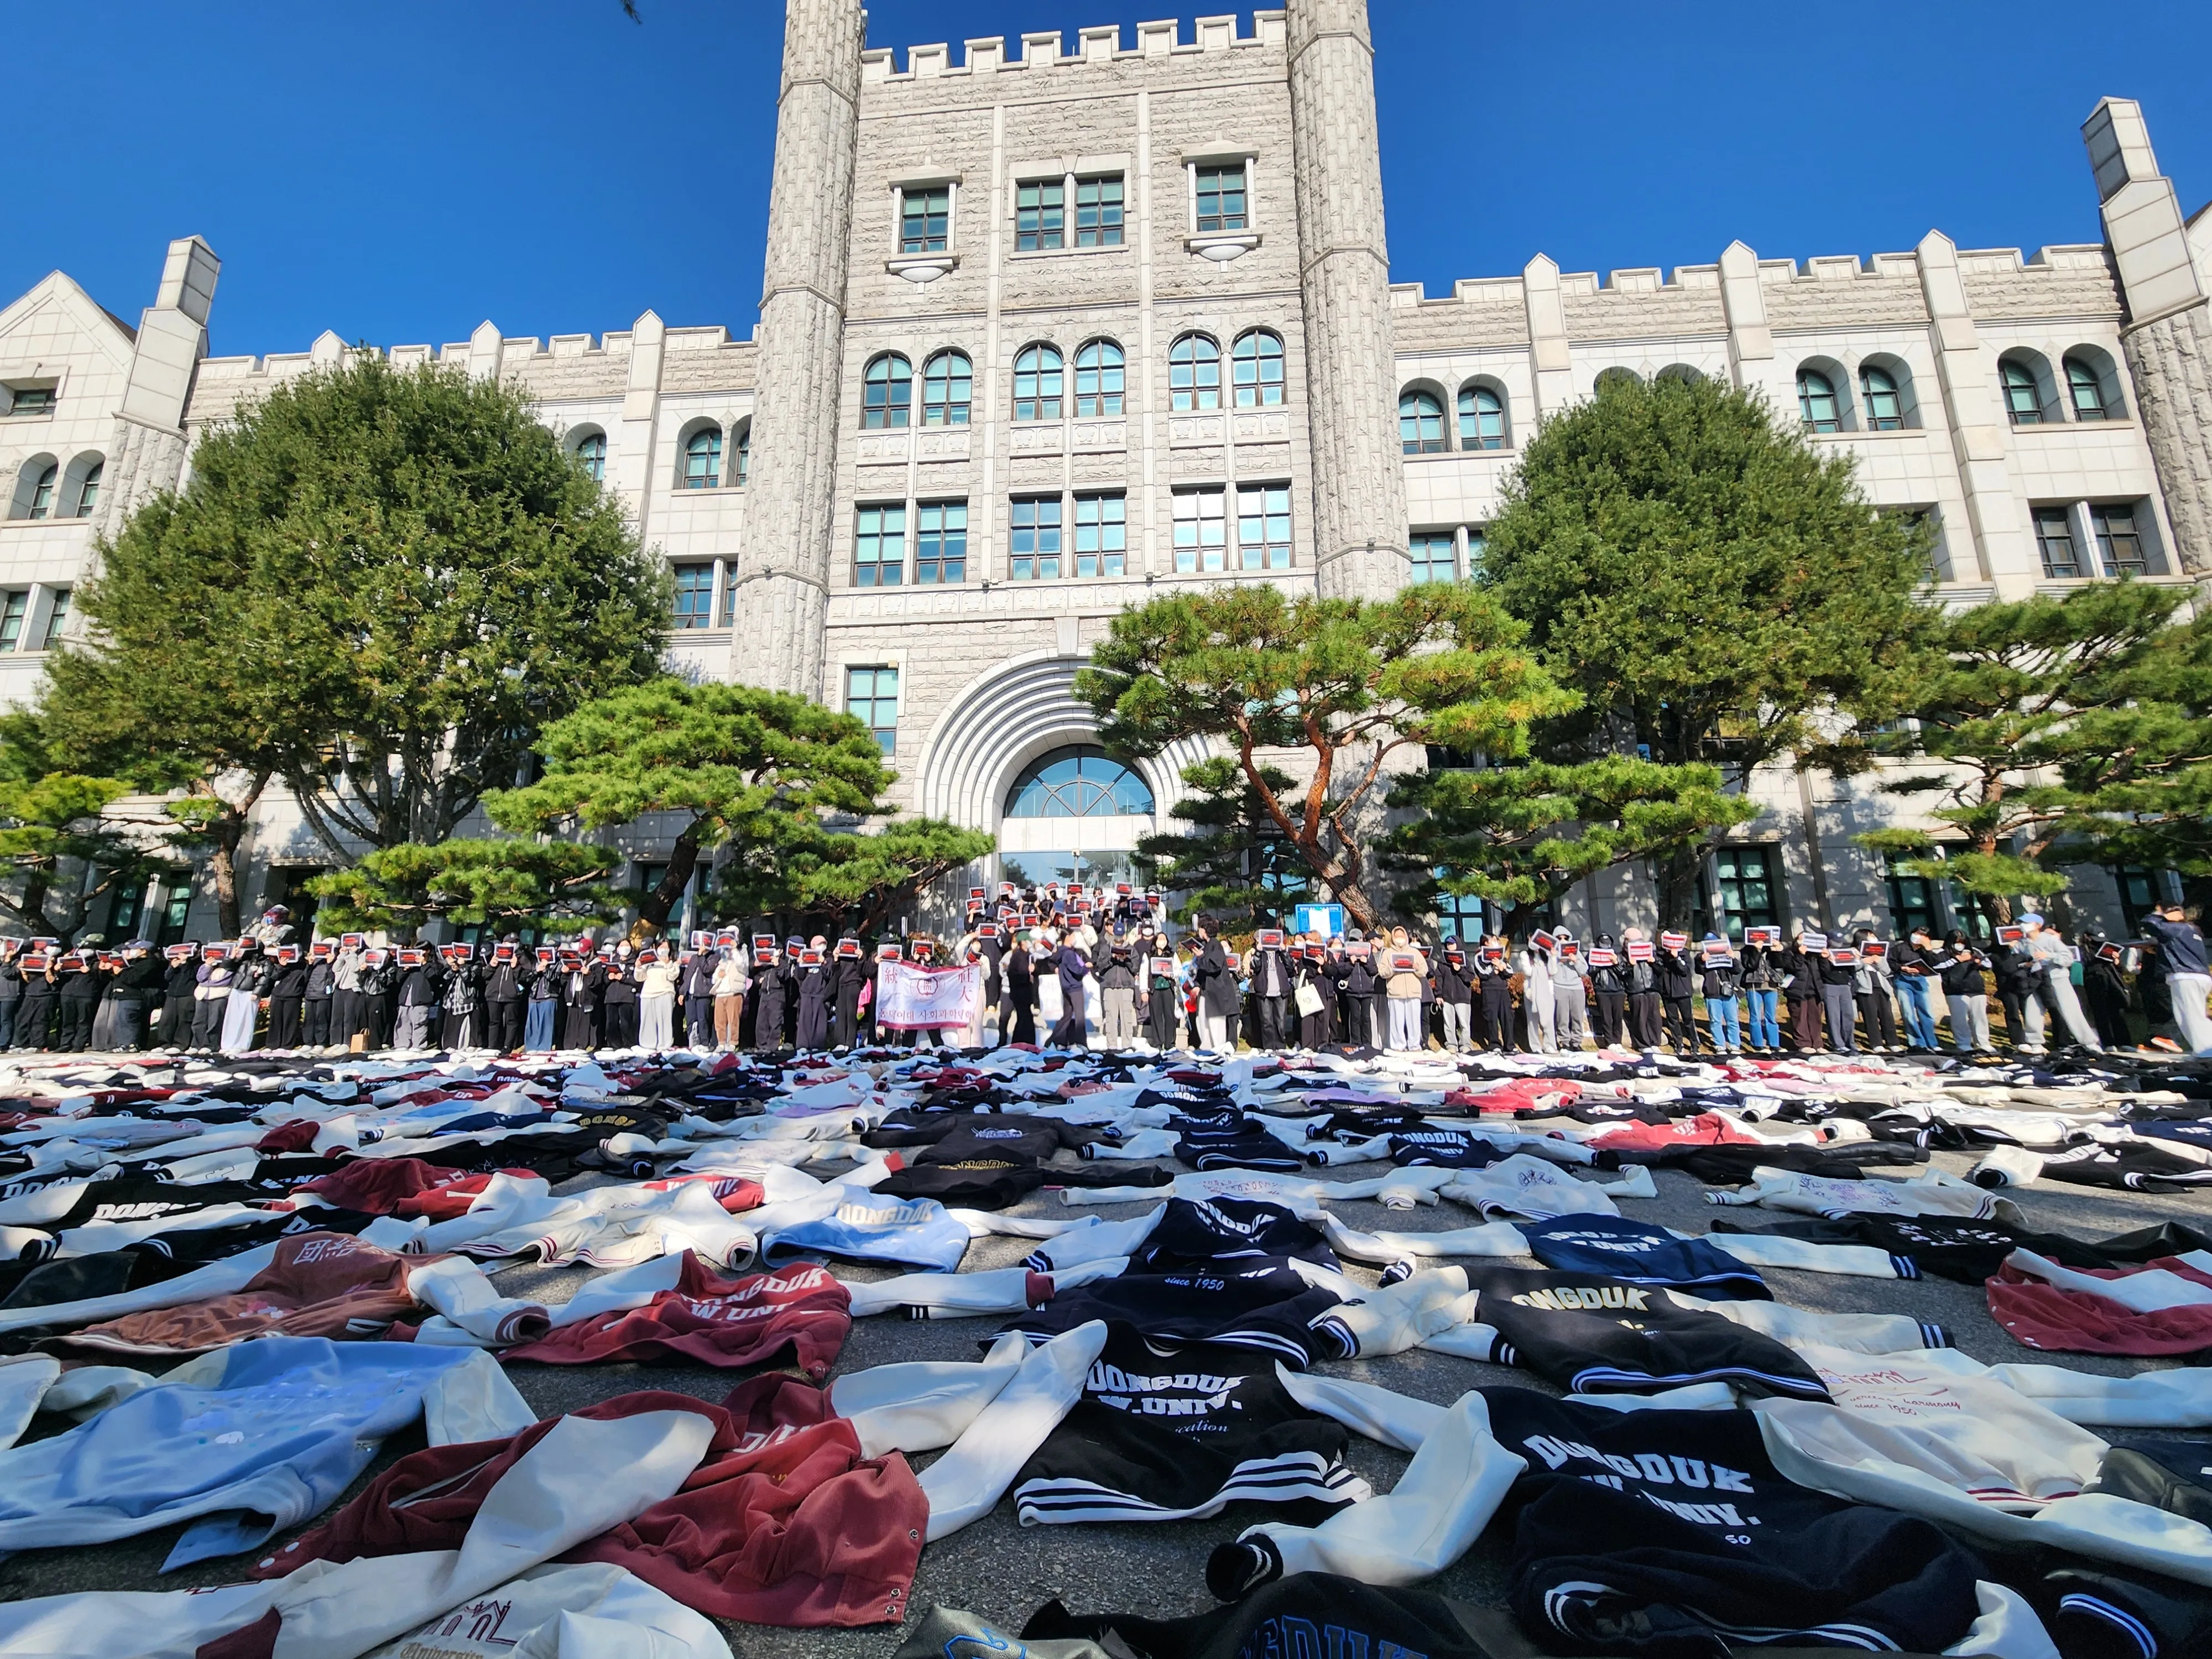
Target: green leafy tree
{"type": "Point", "coordinates": [393, 579]}
{"type": "Point", "coordinates": [1232, 861]}
{"type": "Point", "coordinates": [1353, 685]}
{"type": "Point", "coordinates": [501, 882]}
{"type": "Point", "coordinates": [181, 683]}
{"type": "Point", "coordinates": [61, 852]}
{"type": "Point", "coordinates": [2045, 732]}
{"type": "Point", "coordinates": [1707, 581]}
{"type": "Point", "coordinates": [1521, 835]}
{"type": "Point", "coordinates": [735, 764]}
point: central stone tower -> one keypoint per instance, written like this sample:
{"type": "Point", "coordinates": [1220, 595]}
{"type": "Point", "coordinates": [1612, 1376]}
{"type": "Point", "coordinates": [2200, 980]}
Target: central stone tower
{"type": "Point", "coordinates": [1359, 481]}
{"type": "Point", "coordinates": [781, 595]}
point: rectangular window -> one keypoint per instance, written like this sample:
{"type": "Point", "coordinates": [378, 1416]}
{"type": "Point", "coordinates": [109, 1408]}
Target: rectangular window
{"type": "Point", "coordinates": [1034, 556]}
{"type": "Point", "coordinates": [57, 619]}
{"type": "Point", "coordinates": [176, 906]}
{"type": "Point", "coordinates": [1745, 889]}
{"type": "Point", "coordinates": [1475, 546]}
{"type": "Point", "coordinates": [1221, 196]}
{"type": "Point", "coordinates": [926, 219]}
{"type": "Point", "coordinates": [2054, 539]}
{"type": "Point", "coordinates": [13, 607]}
{"type": "Point", "coordinates": [941, 548]}
{"type": "Point", "coordinates": [871, 694]}
{"type": "Point", "coordinates": [1912, 901]}
{"type": "Point", "coordinates": [879, 547]}
{"type": "Point", "coordinates": [1101, 535]}
{"type": "Point", "coordinates": [1098, 212]}
{"type": "Point", "coordinates": [1435, 556]}
{"type": "Point", "coordinates": [1200, 529]}
{"type": "Point", "coordinates": [33, 400]}
{"type": "Point", "coordinates": [1467, 920]}
{"type": "Point", "coordinates": [694, 596]}
{"type": "Point", "coordinates": [1040, 216]}
{"type": "Point", "coordinates": [1263, 526]}
{"type": "Point", "coordinates": [2120, 543]}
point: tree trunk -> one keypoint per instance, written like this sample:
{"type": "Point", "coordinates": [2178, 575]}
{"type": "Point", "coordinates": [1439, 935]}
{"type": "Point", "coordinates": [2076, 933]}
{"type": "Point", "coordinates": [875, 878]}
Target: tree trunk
{"type": "Point", "coordinates": [222, 864]}
{"type": "Point", "coordinates": [653, 909]}
{"type": "Point", "coordinates": [1676, 876]}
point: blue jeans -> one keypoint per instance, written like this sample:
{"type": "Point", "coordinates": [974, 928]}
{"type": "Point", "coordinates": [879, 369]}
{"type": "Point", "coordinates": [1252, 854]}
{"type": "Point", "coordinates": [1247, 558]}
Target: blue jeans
{"type": "Point", "coordinates": [538, 1026]}
{"type": "Point", "coordinates": [1919, 1017]}
{"type": "Point", "coordinates": [1724, 1022]}
{"type": "Point", "coordinates": [1765, 1033]}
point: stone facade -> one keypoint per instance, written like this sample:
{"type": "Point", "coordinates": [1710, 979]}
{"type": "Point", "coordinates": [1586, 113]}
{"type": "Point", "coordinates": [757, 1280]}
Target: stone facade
{"type": "Point", "coordinates": [1098, 325]}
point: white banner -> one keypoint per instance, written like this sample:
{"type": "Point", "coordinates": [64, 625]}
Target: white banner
{"type": "Point", "coordinates": [911, 999]}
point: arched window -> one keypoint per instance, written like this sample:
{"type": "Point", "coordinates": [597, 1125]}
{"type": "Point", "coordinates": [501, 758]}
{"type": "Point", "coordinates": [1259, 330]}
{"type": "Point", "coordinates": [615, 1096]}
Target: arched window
{"type": "Point", "coordinates": [1885, 407]}
{"type": "Point", "coordinates": [2023, 397]}
{"type": "Point", "coordinates": [1079, 783]}
{"type": "Point", "coordinates": [1816, 401]}
{"type": "Point", "coordinates": [743, 458]}
{"type": "Point", "coordinates": [886, 392]}
{"type": "Point", "coordinates": [1039, 380]}
{"type": "Point", "coordinates": [1194, 373]}
{"type": "Point", "coordinates": [1612, 379]}
{"type": "Point", "coordinates": [1099, 373]}
{"type": "Point", "coordinates": [592, 450]}
{"type": "Point", "coordinates": [2086, 387]}
{"type": "Point", "coordinates": [948, 386]}
{"type": "Point", "coordinates": [1257, 366]}
{"type": "Point", "coordinates": [702, 458]}
{"type": "Point", "coordinates": [42, 492]}
{"type": "Point", "coordinates": [87, 489]}
{"type": "Point", "coordinates": [1420, 422]}
{"type": "Point", "coordinates": [1481, 419]}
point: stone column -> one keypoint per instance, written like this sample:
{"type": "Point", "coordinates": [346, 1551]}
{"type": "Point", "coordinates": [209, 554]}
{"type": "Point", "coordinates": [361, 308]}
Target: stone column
{"type": "Point", "coordinates": [1352, 380]}
{"type": "Point", "coordinates": [782, 600]}
{"type": "Point", "coordinates": [2168, 336]}
{"type": "Point", "coordinates": [2003, 541]}
{"type": "Point", "coordinates": [147, 453]}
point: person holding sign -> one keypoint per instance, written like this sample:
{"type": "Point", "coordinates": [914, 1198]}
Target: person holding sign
{"type": "Point", "coordinates": [1913, 977]}
{"type": "Point", "coordinates": [1117, 992]}
{"type": "Point", "coordinates": [1454, 983]}
{"type": "Point", "coordinates": [1570, 996]}
{"type": "Point", "coordinates": [1073, 967]}
{"type": "Point", "coordinates": [1677, 982]}
{"type": "Point", "coordinates": [729, 984]}
{"type": "Point", "coordinates": [1870, 989]}
{"type": "Point", "coordinates": [1642, 990]}
{"type": "Point", "coordinates": [1800, 990]}
{"type": "Point", "coordinates": [1217, 995]}
{"type": "Point", "coordinates": [1608, 992]}
{"type": "Point", "coordinates": [1271, 987]}
{"type": "Point", "coordinates": [1407, 969]}
{"type": "Point", "coordinates": [1717, 972]}
{"type": "Point", "coordinates": [1538, 1009]}
{"type": "Point", "coordinates": [1966, 992]}
{"type": "Point", "coordinates": [1760, 974]}
{"type": "Point", "coordinates": [1315, 993]}
{"type": "Point", "coordinates": [1163, 992]}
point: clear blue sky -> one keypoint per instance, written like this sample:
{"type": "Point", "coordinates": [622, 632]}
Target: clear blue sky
{"type": "Point", "coordinates": [399, 170]}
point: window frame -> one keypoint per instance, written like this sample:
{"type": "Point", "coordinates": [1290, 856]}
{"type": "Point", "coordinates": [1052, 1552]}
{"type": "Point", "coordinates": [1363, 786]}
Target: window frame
{"type": "Point", "coordinates": [1421, 551]}
{"type": "Point", "coordinates": [1194, 373]}
{"type": "Point", "coordinates": [700, 615]}
{"type": "Point", "coordinates": [1097, 373]}
{"type": "Point", "coordinates": [878, 526]}
{"type": "Point", "coordinates": [1474, 437]}
{"type": "Point", "coordinates": [1421, 443]}
{"type": "Point", "coordinates": [594, 461]}
{"type": "Point", "coordinates": [1808, 400]}
{"type": "Point", "coordinates": [936, 233]}
{"type": "Point", "coordinates": [87, 491]}
{"type": "Point", "coordinates": [1250, 391]}
{"type": "Point", "coordinates": [1045, 530]}
{"type": "Point", "coordinates": [948, 411]}
{"type": "Point", "coordinates": [1872, 398]}
{"type": "Point", "coordinates": [692, 477]}
{"type": "Point", "coordinates": [2078, 368]}
{"type": "Point", "coordinates": [1274, 501]}
{"type": "Point", "coordinates": [15, 615]}
{"type": "Point", "coordinates": [1223, 219]}
{"type": "Point", "coordinates": [57, 617]}
{"type": "Point", "coordinates": [892, 409]}
{"type": "Point", "coordinates": [43, 489]}
{"type": "Point", "coordinates": [1108, 532]}
{"type": "Point", "coordinates": [930, 566]}
{"type": "Point", "coordinates": [1049, 368]}
{"type": "Point", "coordinates": [1734, 917]}
{"type": "Point", "coordinates": [1102, 233]}
{"type": "Point", "coordinates": [2041, 520]}
{"type": "Point", "coordinates": [2028, 382]}
{"type": "Point", "coordinates": [2105, 534]}
{"type": "Point", "coordinates": [869, 707]}
{"type": "Point", "coordinates": [1041, 227]}
{"type": "Point", "coordinates": [1192, 549]}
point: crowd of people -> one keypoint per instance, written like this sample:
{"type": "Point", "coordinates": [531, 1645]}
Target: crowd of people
{"type": "Point", "coordinates": [1111, 972]}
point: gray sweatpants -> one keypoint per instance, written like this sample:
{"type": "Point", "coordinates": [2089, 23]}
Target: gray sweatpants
{"type": "Point", "coordinates": [1458, 1026]}
{"type": "Point", "coordinates": [1118, 1023]}
{"type": "Point", "coordinates": [1570, 1016]}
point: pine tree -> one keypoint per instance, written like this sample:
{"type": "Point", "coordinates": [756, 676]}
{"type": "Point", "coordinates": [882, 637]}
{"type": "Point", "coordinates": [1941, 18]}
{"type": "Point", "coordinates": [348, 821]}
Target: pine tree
{"type": "Point", "coordinates": [1233, 861]}
{"type": "Point", "coordinates": [501, 883]}
{"type": "Point", "coordinates": [1347, 686]}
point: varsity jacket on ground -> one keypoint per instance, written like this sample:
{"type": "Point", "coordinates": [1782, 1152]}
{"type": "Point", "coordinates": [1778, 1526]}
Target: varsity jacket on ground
{"type": "Point", "coordinates": [1262, 1304]}
{"type": "Point", "coordinates": [1168, 1432]}
{"type": "Point", "coordinates": [1592, 1334]}
{"type": "Point", "coordinates": [724, 1323]}
{"type": "Point", "coordinates": [1639, 1252]}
